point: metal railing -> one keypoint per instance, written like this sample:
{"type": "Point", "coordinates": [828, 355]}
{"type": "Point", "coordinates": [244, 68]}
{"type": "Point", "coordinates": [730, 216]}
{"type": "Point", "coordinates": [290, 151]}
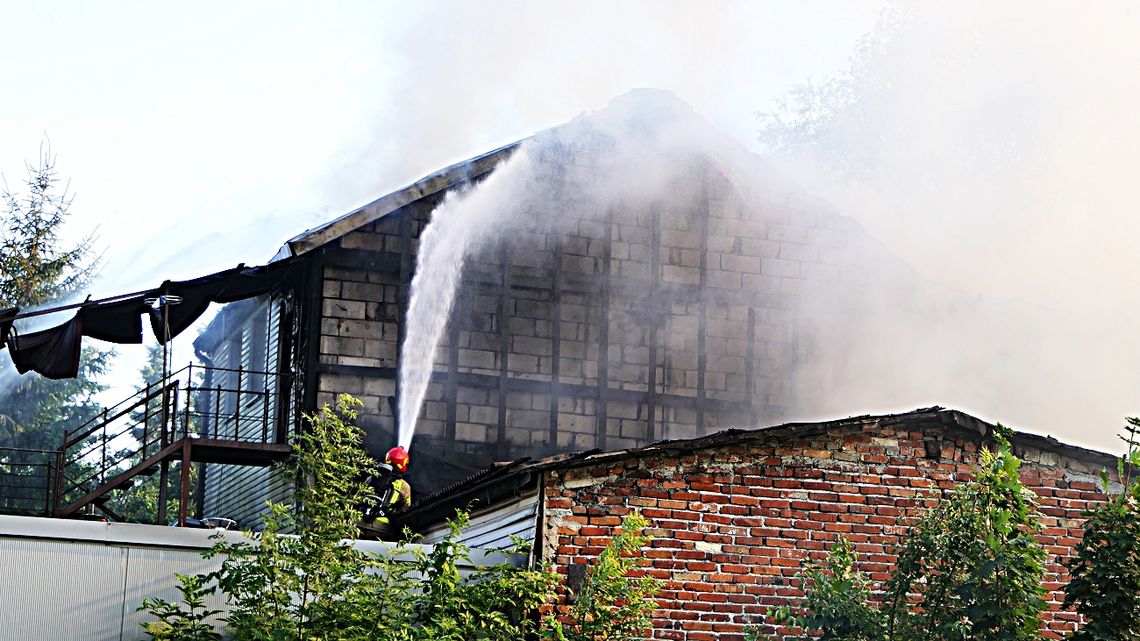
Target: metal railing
{"type": "Point", "coordinates": [194, 402]}
{"type": "Point", "coordinates": [26, 477]}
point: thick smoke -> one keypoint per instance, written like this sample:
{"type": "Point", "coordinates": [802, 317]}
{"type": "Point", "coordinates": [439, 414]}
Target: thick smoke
{"type": "Point", "coordinates": [991, 146]}
{"type": "Point", "coordinates": [563, 185]}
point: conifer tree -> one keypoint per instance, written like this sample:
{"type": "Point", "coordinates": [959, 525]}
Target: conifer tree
{"type": "Point", "coordinates": [38, 268]}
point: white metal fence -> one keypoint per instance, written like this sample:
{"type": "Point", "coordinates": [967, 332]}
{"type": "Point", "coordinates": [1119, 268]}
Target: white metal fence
{"type": "Point", "coordinates": [63, 580]}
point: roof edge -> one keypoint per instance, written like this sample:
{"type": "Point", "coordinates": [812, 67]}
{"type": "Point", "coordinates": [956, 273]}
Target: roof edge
{"type": "Point", "coordinates": [481, 482]}
{"type": "Point", "coordinates": [433, 183]}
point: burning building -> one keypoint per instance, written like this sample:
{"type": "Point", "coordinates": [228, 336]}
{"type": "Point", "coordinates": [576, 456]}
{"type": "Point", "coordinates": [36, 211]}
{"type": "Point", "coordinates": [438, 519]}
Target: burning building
{"type": "Point", "coordinates": [632, 276]}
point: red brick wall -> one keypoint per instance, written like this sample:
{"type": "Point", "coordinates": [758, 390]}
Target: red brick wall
{"type": "Point", "coordinates": [732, 525]}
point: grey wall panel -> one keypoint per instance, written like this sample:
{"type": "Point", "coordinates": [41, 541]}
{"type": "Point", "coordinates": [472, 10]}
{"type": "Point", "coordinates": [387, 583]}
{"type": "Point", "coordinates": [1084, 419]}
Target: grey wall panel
{"type": "Point", "coordinates": [493, 528]}
{"type": "Point", "coordinates": [150, 573]}
{"type": "Point", "coordinates": [54, 590]}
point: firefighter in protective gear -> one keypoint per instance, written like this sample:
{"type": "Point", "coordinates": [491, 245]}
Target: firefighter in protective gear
{"type": "Point", "coordinates": [401, 495]}
{"type": "Point", "coordinates": [393, 493]}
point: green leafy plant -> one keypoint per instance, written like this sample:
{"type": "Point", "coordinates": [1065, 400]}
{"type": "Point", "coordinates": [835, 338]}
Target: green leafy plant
{"type": "Point", "coordinates": [837, 601]}
{"type": "Point", "coordinates": [973, 561]}
{"type": "Point", "coordinates": [969, 569]}
{"type": "Point", "coordinates": [1105, 570]}
{"type": "Point", "coordinates": [188, 621]}
{"type": "Point", "coordinates": [495, 602]}
{"type": "Point", "coordinates": [615, 601]}
{"type": "Point", "coordinates": [293, 580]}
{"type": "Point", "coordinates": [302, 578]}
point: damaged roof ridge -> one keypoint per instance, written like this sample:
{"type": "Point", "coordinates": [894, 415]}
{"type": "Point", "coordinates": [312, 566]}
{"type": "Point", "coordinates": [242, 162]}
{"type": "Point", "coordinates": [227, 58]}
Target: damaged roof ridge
{"type": "Point", "coordinates": [435, 182]}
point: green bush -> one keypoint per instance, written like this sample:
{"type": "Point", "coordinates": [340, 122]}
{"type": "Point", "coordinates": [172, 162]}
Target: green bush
{"type": "Point", "coordinates": [185, 622]}
{"type": "Point", "coordinates": [1105, 584]}
{"type": "Point", "coordinates": [301, 579]}
{"type": "Point", "coordinates": [611, 604]}
{"type": "Point", "coordinates": [969, 569]}
{"type": "Point", "coordinates": [837, 602]}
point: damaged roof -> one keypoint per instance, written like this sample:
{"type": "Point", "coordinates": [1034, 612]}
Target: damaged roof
{"type": "Point", "coordinates": [442, 180]}
{"type": "Point", "coordinates": [505, 481]}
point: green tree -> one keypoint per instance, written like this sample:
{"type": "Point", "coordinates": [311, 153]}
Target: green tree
{"type": "Point", "coordinates": [37, 268]}
{"type": "Point", "coordinates": [1105, 584]}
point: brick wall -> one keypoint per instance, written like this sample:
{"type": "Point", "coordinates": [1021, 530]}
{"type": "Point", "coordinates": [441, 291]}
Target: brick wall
{"type": "Point", "coordinates": [731, 525]}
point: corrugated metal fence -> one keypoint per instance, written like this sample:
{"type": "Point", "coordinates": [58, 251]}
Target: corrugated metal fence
{"type": "Point", "coordinates": [77, 580]}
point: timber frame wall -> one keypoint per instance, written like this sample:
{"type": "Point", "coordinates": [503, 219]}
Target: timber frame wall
{"type": "Point", "coordinates": [625, 326]}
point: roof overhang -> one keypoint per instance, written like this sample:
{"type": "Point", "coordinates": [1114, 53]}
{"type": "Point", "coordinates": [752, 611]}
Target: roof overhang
{"type": "Point", "coordinates": [442, 180]}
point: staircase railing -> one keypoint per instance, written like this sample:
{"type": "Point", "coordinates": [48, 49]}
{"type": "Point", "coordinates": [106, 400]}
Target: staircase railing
{"type": "Point", "coordinates": [194, 402]}
{"type": "Point", "coordinates": [26, 477]}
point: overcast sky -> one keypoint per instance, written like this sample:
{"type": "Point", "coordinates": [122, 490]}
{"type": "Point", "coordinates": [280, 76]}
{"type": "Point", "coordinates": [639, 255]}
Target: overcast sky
{"type": "Point", "coordinates": [198, 138]}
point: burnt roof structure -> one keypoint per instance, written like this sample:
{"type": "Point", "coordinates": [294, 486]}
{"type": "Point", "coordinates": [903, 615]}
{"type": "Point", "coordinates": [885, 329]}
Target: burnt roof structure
{"type": "Point", "coordinates": [648, 288]}
{"type": "Point", "coordinates": [509, 480]}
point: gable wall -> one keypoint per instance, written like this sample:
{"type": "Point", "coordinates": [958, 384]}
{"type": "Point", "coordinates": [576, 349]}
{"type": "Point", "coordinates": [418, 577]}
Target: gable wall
{"type": "Point", "coordinates": [690, 304]}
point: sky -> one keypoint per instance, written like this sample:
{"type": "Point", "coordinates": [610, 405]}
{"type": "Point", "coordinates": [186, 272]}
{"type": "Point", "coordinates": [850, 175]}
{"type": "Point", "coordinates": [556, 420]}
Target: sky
{"type": "Point", "coordinates": [195, 139]}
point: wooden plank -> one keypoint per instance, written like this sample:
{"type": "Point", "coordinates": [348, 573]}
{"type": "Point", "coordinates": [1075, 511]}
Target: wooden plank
{"type": "Point", "coordinates": [702, 304]}
{"type": "Point", "coordinates": [750, 363]}
{"type": "Point", "coordinates": [555, 344]}
{"type": "Point", "coordinates": [451, 389]}
{"type": "Point", "coordinates": [655, 319]}
{"type": "Point", "coordinates": [602, 409]}
{"type": "Point", "coordinates": [583, 284]}
{"type": "Point", "coordinates": [574, 390]}
{"type": "Point", "coordinates": [504, 350]}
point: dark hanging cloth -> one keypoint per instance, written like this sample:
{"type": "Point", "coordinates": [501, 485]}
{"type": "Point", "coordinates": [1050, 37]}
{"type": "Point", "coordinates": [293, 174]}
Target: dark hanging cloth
{"type": "Point", "coordinates": [231, 285]}
{"type": "Point", "coordinates": [118, 322]}
{"type": "Point", "coordinates": [7, 317]}
{"type": "Point", "coordinates": [54, 353]}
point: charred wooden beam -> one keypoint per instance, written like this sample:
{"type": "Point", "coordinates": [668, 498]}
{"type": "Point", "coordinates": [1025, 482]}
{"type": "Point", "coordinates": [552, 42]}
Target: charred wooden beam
{"type": "Point", "coordinates": [403, 295]}
{"type": "Point", "coordinates": [574, 390]}
{"type": "Point", "coordinates": [504, 350]}
{"type": "Point", "coordinates": [750, 363]}
{"type": "Point", "coordinates": [451, 389]}
{"type": "Point", "coordinates": [602, 413]}
{"type": "Point", "coordinates": [655, 321]}
{"type": "Point", "coordinates": [555, 344]}
{"type": "Point", "coordinates": [702, 304]}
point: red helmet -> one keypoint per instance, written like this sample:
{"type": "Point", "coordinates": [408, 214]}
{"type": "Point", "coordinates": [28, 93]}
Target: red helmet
{"type": "Point", "coordinates": [398, 458]}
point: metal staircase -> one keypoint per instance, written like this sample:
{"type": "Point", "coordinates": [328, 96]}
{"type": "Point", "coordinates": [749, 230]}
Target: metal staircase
{"type": "Point", "coordinates": [196, 415]}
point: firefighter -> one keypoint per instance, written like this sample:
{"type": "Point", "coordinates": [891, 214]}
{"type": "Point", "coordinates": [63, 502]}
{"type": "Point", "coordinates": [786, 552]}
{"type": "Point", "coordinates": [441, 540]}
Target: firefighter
{"type": "Point", "coordinates": [393, 493]}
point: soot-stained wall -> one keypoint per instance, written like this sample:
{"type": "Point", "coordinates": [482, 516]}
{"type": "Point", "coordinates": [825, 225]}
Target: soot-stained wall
{"type": "Point", "coordinates": [622, 326]}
